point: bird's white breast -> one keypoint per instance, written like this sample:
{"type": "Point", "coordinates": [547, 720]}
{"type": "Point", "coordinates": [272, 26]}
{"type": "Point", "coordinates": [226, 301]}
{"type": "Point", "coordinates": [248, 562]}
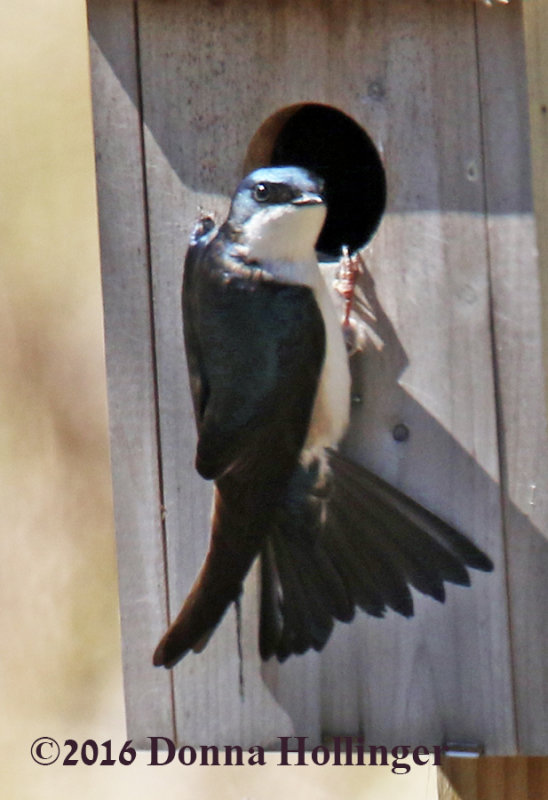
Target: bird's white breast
{"type": "Point", "coordinates": [330, 413]}
{"type": "Point", "coordinates": [331, 409]}
{"type": "Point", "coordinates": [283, 240]}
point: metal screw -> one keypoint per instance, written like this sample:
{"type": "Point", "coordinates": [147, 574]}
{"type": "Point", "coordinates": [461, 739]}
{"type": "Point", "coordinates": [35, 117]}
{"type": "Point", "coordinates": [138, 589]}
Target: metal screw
{"type": "Point", "coordinates": [463, 749]}
{"type": "Point", "coordinates": [400, 432]}
{"type": "Point", "coordinates": [376, 90]}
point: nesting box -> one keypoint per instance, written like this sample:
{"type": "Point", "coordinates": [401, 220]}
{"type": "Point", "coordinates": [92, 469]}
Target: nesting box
{"type": "Point", "coordinates": [427, 97]}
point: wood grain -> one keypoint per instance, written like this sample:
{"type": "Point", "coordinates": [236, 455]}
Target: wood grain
{"type": "Point", "coordinates": [433, 675]}
{"type": "Point", "coordinates": [518, 778]}
{"type": "Point", "coordinates": [209, 704]}
{"type": "Point", "coordinates": [517, 355]}
{"type": "Point", "coordinates": [196, 139]}
{"type": "Point", "coordinates": [535, 15]}
{"type": "Point", "coordinates": [450, 284]}
{"type": "Point", "coordinates": [130, 364]}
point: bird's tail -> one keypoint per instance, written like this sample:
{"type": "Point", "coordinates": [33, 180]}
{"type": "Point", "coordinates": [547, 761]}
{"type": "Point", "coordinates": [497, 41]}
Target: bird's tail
{"type": "Point", "coordinates": [351, 540]}
{"type": "Point", "coordinates": [231, 552]}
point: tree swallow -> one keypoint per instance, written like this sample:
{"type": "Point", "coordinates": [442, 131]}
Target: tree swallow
{"type": "Point", "coordinates": [270, 385]}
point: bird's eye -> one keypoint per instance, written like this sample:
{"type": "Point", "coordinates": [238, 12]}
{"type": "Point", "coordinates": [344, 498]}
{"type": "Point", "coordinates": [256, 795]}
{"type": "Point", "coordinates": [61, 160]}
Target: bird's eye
{"type": "Point", "coordinates": [261, 192]}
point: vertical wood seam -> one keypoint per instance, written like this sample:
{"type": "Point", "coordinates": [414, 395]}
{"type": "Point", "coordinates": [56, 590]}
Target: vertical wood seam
{"type": "Point", "coordinates": [154, 365]}
{"type": "Point", "coordinates": [535, 23]}
{"type": "Point", "coordinates": [499, 416]}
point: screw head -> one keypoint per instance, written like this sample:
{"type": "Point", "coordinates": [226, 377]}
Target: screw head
{"type": "Point", "coordinates": [400, 432]}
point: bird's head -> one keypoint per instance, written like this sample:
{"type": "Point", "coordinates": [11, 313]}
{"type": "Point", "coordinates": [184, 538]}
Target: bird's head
{"type": "Point", "coordinates": [277, 213]}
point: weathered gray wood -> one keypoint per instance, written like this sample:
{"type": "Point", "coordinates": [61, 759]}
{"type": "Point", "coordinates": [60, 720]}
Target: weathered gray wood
{"type": "Point", "coordinates": [433, 675]}
{"type": "Point", "coordinates": [445, 258]}
{"type": "Point", "coordinates": [518, 337]}
{"type": "Point", "coordinates": [535, 17]}
{"type": "Point", "coordinates": [130, 363]}
{"type": "Point", "coordinates": [431, 270]}
{"type": "Point", "coordinates": [208, 702]}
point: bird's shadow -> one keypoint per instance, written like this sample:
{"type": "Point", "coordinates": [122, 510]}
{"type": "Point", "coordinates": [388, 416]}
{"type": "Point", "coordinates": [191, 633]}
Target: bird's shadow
{"type": "Point", "coordinates": [382, 410]}
{"type": "Point", "coordinates": [424, 458]}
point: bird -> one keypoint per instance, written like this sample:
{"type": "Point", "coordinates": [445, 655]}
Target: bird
{"type": "Point", "coordinates": [271, 391]}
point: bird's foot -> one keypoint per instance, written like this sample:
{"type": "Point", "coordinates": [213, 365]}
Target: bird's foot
{"type": "Point", "coordinates": [350, 269]}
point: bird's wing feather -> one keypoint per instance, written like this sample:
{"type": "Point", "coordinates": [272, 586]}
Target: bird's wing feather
{"type": "Point", "coordinates": [362, 545]}
{"type": "Point", "coordinates": [255, 349]}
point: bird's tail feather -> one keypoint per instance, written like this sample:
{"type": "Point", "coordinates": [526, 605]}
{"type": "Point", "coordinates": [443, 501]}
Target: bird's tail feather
{"type": "Point", "coordinates": [362, 543]}
{"type": "Point", "coordinates": [219, 583]}
{"type": "Point", "coordinates": [337, 541]}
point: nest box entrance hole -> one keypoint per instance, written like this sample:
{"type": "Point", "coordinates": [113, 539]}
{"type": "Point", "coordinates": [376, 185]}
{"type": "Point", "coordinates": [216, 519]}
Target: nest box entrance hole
{"type": "Point", "coordinates": [331, 144]}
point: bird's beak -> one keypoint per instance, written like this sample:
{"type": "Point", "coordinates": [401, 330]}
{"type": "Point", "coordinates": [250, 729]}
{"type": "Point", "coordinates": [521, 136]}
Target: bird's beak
{"type": "Point", "coordinates": [308, 199]}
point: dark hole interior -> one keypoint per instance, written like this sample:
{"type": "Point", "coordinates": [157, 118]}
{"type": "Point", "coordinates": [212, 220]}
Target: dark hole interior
{"type": "Point", "coordinates": [336, 148]}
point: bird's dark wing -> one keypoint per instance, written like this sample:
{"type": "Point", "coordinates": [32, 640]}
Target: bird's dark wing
{"type": "Point", "coordinates": [195, 261]}
{"type": "Point", "coordinates": [332, 537]}
{"type": "Point", "coordinates": [358, 543]}
{"type": "Point", "coordinates": [255, 350]}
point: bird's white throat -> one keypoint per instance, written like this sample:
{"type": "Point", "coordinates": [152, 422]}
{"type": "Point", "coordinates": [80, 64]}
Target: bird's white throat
{"type": "Point", "coordinates": [279, 234]}
{"type": "Point", "coordinates": [281, 239]}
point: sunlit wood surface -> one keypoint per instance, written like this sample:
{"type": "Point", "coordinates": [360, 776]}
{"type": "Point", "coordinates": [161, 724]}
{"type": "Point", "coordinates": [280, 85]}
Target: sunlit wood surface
{"type": "Point", "coordinates": [180, 89]}
{"type": "Point", "coordinates": [535, 14]}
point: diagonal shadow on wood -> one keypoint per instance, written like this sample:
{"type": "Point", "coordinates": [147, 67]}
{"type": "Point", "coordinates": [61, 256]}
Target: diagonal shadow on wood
{"type": "Point", "coordinates": [429, 713]}
{"type": "Point", "coordinates": [475, 688]}
{"type": "Point", "coordinates": [192, 126]}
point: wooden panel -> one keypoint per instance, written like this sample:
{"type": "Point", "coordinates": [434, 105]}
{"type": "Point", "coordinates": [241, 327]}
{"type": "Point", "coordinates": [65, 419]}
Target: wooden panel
{"type": "Point", "coordinates": [180, 156]}
{"type": "Point", "coordinates": [518, 353]}
{"type": "Point", "coordinates": [130, 360]}
{"type": "Point", "coordinates": [434, 374]}
{"type": "Point", "coordinates": [518, 778]}
{"type": "Point", "coordinates": [212, 73]}
{"type": "Point", "coordinates": [535, 13]}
